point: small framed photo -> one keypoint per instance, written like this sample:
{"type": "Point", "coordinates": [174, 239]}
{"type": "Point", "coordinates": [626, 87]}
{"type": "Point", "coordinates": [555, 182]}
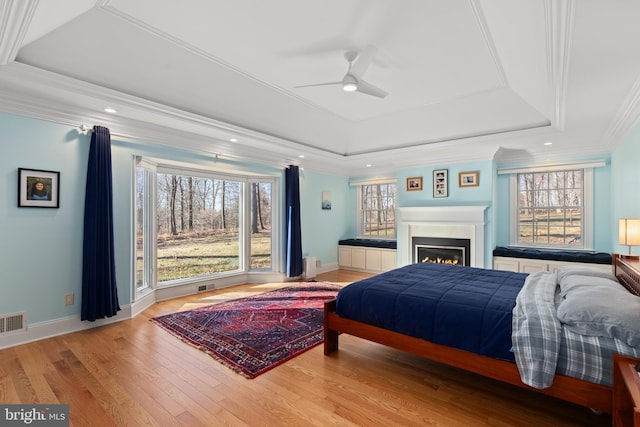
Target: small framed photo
{"type": "Point", "coordinates": [414, 184]}
{"type": "Point", "coordinates": [38, 188]}
{"type": "Point", "coordinates": [440, 183]}
{"type": "Point", "coordinates": [468, 179]}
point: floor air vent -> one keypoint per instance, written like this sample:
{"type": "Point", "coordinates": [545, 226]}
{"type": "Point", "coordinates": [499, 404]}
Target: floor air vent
{"type": "Point", "coordinates": [13, 322]}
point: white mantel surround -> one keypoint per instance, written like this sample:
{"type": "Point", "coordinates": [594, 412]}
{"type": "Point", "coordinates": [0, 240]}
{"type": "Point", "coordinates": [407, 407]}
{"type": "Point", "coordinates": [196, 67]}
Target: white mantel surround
{"type": "Point", "coordinates": [458, 222]}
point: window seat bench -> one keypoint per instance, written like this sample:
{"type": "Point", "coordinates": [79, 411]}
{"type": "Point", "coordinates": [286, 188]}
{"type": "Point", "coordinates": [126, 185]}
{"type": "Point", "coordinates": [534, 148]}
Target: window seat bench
{"type": "Point", "coordinates": [528, 260]}
{"type": "Point", "coordinates": [368, 255]}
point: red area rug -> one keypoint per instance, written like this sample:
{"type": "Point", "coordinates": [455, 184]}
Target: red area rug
{"type": "Point", "coordinates": [254, 334]}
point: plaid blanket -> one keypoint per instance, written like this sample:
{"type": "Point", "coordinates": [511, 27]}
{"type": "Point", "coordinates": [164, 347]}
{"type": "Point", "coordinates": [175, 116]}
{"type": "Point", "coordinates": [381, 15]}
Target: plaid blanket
{"type": "Point", "coordinates": [590, 358]}
{"type": "Point", "coordinates": [543, 347]}
{"type": "Point", "coordinates": [536, 331]}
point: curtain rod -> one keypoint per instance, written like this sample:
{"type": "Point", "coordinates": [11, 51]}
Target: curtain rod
{"type": "Point", "coordinates": [218, 156]}
{"type": "Point", "coordinates": [87, 128]}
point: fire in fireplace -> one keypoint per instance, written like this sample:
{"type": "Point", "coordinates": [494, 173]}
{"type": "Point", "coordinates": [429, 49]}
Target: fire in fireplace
{"type": "Point", "coordinates": [441, 250]}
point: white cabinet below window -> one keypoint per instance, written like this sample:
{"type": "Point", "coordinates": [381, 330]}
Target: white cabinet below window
{"type": "Point", "coordinates": [372, 260]}
{"type": "Point", "coordinates": [526, 265]}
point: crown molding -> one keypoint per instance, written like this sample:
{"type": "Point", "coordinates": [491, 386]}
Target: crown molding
{"type": "Point", "coordinates": [15, 17]}
{"type": "Point", "coordinates": [488, 40]}
{"type": "Point", "coordinates": [64, 100]}
{"type": "Point", "coordinates": [626, 118]}
{"type": "Point", "coordinates": [559, 19]}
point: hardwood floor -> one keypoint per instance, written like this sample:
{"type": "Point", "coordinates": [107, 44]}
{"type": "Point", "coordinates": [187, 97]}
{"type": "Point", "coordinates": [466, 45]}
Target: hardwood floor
{"type": "Point", "coordinates": [134, 373]}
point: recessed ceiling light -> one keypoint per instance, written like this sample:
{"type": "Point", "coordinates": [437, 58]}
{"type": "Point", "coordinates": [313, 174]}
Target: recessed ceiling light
{"type": "Point", "coordinates": [548, 143]}
{"type": "Point", "coordinates": [368, 165]}
{"type": "Point", "coordinates": [234, 140]}
{"type": "Point", "coordinates": [301, 156]}
{"type": "Point", "coordinates": [110, 110]}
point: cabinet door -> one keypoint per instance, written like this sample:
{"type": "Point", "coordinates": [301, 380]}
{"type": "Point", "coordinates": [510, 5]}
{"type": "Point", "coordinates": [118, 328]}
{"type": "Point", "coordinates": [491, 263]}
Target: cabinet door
{"type": "Point", "coordinates": [531, 266]}
{"type": "Point", "coordinates": [358, 258]}
{"type": "Point", "coordinates": [373, 259]}
{"type": "Point", "coordinates": [344, 256]}
{"type": "Point", "coordinates": [388, 260]}
{"type": "Point", "coordinates": [507, 264]}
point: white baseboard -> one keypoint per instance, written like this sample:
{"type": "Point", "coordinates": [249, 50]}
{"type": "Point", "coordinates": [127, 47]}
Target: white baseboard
{"type": "Point", "coordinates": [328, 267]}
{"type": "Point", "coordinates": [66, 325]}
{"type": "Point", "coordinates": [61, 326]}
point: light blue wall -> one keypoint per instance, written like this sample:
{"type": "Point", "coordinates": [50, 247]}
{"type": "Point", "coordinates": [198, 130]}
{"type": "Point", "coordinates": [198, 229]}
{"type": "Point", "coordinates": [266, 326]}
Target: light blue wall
{"type": "Point", "coordinates": [458, 196]}
{"type": "Point", "coordinates": [502, 200]}
{"type": "Point", "coordinates": [625, 185]}
{"type": "Point", "coordinates": [41, 249]}
{"type": "Point", "coordinates": [321, 229]}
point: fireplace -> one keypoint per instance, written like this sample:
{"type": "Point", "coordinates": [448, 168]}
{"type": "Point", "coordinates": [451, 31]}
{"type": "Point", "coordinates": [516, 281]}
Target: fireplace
{"type": "Point", "coordinates": [450, 223]}
{"type": "Point", "coordinates": [441, 250]}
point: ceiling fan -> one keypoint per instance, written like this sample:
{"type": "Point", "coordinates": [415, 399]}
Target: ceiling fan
{"type": "Point", "coordinates": [352, 81]}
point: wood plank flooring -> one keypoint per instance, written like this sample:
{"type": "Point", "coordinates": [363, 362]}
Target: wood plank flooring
{"type": "Point", "coordinates": [133, 373]}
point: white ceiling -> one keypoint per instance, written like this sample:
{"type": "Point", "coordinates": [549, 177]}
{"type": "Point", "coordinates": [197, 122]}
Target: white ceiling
{"type": "Point", "coordinates": [467, 79]}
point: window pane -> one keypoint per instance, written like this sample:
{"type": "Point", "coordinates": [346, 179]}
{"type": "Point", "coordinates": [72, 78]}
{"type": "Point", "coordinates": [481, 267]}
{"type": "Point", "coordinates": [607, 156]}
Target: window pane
{"type": "Point", "coordinates": [140, 237]}
{"type": "Point", "coordinates": [540, 198]}
{"type": "Point", "coordinates": [261, 226]}
{"type": "Point", "coordinates": [573, 231]}
{"type": "Point", "coordinates": [378, 210]}
{"type": "Point", "coordinates": [198, 226]}
{"type": "Point", "coordinates": [540, 181]}
{"type": "Point", "coordinates": [550, 208]}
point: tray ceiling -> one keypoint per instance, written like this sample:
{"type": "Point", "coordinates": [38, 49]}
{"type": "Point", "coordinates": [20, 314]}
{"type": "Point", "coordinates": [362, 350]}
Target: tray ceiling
{"type": "Point", "coordinates": [467, 79]}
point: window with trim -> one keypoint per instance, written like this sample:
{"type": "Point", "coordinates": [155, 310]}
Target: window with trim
{"type": "Point", "coordinates": [377, 210]}
{"type": "Point", "coordinates": [552, 208]}
{"type": "Point", "coordinates": [192, 225]}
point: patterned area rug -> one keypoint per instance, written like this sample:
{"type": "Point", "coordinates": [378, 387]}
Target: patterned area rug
{"type": "Point", "coordinates": [254, 334]}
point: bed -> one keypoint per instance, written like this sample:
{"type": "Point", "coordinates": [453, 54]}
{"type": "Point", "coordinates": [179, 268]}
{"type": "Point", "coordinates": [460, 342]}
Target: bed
{"type": "Point", "coordinates": [501, 327]}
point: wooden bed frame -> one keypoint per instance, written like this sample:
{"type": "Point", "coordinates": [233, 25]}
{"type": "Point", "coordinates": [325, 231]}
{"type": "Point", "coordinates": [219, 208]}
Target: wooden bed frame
{"type": "Point", "coordinates": [591, 395]}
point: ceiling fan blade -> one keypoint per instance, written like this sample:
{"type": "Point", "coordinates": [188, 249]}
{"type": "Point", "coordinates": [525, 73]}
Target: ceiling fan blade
{"type": "Point", "coordinates": [320, 84]}
{"type": "Point", "coordinates": [370, 89]}
{"type": "Point", "coordinates": [362, 62]}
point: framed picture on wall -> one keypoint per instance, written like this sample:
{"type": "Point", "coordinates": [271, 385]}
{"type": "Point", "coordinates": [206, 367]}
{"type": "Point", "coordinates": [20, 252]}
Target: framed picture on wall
{"type": "Point", "coordinates": [326, 200]}
{"type": "Point", "coordinates": [414, 184]}
{"type": "Point", "coordinates": [468, 179]}
{"type": "Point", "coordinates": [38, 188]}
{"type": "Point", "coordinates": [440, 183]}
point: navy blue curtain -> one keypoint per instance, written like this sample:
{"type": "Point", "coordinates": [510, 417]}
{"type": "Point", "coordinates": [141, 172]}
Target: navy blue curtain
{"type": "Point", "coordinates": [99, 293]}
{"type": "Point", "coordinates": [294, 235]}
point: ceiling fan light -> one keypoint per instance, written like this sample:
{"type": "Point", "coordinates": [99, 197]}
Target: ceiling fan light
{"type": "Point", "coordinates": [349, 87]}
{"type": "Point", "coordinates": [349, 83]}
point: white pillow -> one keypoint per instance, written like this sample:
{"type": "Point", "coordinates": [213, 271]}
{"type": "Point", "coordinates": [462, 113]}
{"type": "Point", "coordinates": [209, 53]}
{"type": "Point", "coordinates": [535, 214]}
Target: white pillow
{"type": "Point", "coordinates": [570, 277]}
{"type": "Point", "coordinates": [602, 311]}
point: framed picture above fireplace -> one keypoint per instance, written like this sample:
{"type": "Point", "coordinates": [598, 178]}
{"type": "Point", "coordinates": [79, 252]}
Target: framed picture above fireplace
{"type": "Point", "coordinates": [468, 179]}
{"type": "Point", "coordinates": [414, 184]}
{"type": "Point", "coordinates": [441, 183]}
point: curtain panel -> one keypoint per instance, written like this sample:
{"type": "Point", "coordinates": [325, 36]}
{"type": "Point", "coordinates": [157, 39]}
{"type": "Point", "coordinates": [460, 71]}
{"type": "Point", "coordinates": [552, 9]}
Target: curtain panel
{"type": "Point", "coordinates": [99, 292]}
{"type": "Point", "coordinates": [293, 232]}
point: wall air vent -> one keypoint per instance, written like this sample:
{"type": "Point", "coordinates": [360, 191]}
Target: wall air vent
{"type": "Point", "coordinates": [14, 322]}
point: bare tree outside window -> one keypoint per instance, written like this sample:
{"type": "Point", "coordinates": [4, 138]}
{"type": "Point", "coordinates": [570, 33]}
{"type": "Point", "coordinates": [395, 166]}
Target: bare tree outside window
{"type": "Point", "coordinates": [378, 211]}
{"type": "Point", "coordinates": [550, 206]}
{"type": "Point", "coordinates": [261, 226]}
{"type": "Point", "coordinates": [197, 226]}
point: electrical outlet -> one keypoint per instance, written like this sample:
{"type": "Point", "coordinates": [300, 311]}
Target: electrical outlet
{"type": "Point", "coordinates": [68, 299]}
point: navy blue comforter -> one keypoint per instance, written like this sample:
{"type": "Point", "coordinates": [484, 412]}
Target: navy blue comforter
{"type": "Point", "coordinates": [462, 307]}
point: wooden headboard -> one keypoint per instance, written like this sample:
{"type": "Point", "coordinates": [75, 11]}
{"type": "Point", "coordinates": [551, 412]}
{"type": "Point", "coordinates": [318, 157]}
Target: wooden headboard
{"type": "Point", "coordinates": [627, 270]}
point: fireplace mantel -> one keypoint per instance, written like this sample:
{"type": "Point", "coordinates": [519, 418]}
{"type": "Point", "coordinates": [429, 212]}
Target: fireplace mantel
{"type": "Point", "coordinates": [460, 222]}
